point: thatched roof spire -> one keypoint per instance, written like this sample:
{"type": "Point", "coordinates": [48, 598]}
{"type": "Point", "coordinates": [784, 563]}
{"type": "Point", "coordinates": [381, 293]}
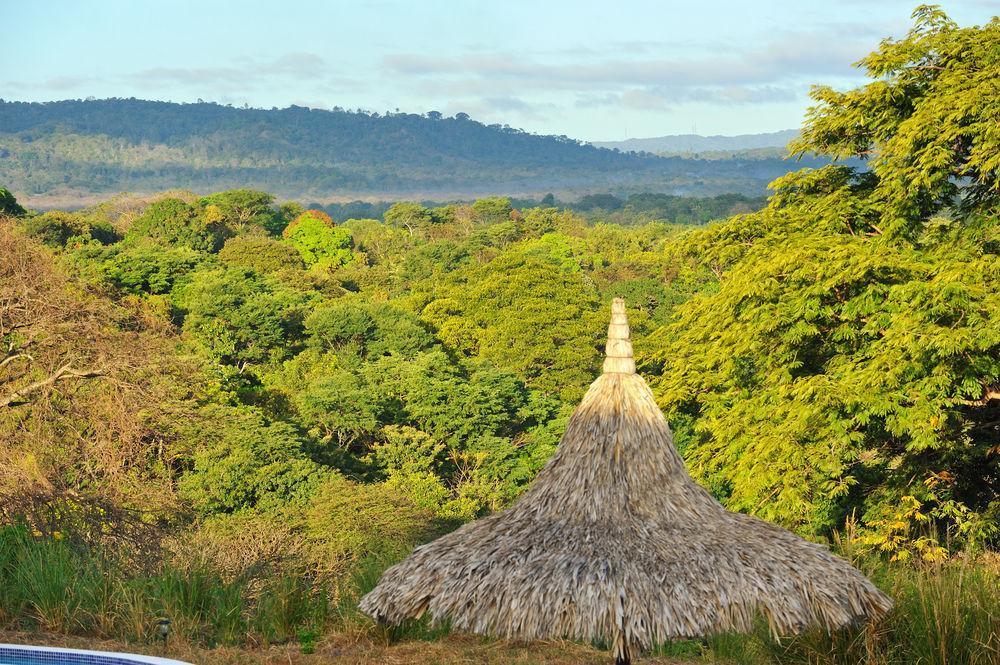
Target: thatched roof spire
{"type": "Point", "coordinates": [618, 351]}
{"type": "Point", "coordinates": [614, 541]}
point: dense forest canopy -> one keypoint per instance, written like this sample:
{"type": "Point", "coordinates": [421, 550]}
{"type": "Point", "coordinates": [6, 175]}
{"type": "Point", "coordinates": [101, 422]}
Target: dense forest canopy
{"type": "Point", "coordinates": [112, 145]}
{"type": "Point", "coordinates": [221, 366]}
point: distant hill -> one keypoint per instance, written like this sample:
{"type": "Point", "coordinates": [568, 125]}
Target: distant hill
{"type": "Point", "coordinates": [693, 143]}
{"type": "Point", "coordinates": [58, 151]}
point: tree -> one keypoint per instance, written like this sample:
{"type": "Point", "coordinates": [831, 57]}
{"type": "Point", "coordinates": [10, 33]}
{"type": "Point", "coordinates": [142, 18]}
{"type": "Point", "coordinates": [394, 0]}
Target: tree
{"type": "Point", "coordinates": [524, 313]}
{"type": "Point", "coordinates": [410, 216]}
{"type": "Point", "coordinates": [244, 461]}
{"type": "Point", "coordinates": [148, 268]}
{"type": "Point", "coordinates": [9, 205]}
{"type": "Point", "coordinates": [261, 254]}
{"type": "Point", "coordinates": [926, 124]}
{"type": "Point", "coordinates": [59, 229]}
{"type": "Point", "coordinates": [319, 240]}
{"type": "Point", "coordinates": [847, 357]}
{"type": "Point", "coordinates": [340, 407]}
{"type": "Point", "coordinates": [369, 330]}
{"type": "Point", "coordinates": [492, 210]}
{"type": "Point", "coordinates": [239, 209]}
{"type": "Point", "coordinates": [238, 318]}
{"type": "Point", "coordinates": [172, 221]}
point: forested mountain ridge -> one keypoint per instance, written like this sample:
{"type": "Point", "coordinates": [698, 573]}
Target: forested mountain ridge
{"type": "Point", "coordinates": [112, 145]}
{"type": "Point", "coordinates": [688, 143]}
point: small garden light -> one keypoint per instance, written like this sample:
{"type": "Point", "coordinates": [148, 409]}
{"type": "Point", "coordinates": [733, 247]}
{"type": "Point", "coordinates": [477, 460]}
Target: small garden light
{"type": "Point", "coordinates": [163, 630]}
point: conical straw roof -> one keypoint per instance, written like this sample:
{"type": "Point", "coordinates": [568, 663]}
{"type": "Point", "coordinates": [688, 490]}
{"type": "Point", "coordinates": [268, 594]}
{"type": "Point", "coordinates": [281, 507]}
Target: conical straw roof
{"type": "Point", "coordinates": [614, 541]}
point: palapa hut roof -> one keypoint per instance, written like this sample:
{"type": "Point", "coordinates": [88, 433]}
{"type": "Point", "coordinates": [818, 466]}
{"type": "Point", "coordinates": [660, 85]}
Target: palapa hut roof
{"type": "Point", "coordinates": [614, 541]}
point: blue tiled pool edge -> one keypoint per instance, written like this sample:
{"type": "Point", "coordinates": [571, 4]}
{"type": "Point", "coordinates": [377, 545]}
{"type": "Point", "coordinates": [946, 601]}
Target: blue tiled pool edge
{"type": "Point", "coordinates": [56, 656]}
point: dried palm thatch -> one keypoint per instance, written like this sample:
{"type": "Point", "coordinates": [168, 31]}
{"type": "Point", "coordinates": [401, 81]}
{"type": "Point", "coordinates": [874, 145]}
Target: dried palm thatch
{"type": "Point", "coordinates": [615, 542]}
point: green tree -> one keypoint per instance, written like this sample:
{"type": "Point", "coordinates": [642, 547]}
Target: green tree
{"type": "Point", "coordinates": [238, 318]}
{"type": "Point", "coordinates": [339, 406]}
{"type": "Point", "coordinates": [59, 229]}
{"type": "Point", "coordinates": [492, 210]}
{"type": "Point", "coordinates": [172, 221]}
{"type": "Point", "coordinates": [262, 254]}
{"type": "Point", "coordinates": [240, 209]}
{"type": "Point", "coordinates": [367, 329]}
{"type": "Point", "coordinates": [847, 357]}
{"type": "Point", "coordinates": [319, 241]}
{"type": "Point", "coordinates": [244, 461]}
{"type": "Point", "coordinates": [9, 205]}
{"type": "Point", "coordinates": [410, 216]}
{"type": "Point", "coordinates": [148, 268]}
{"type": "Point", "coordinates": [926, 124]}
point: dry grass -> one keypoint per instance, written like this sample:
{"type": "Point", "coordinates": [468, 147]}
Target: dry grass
{"type": "Point", "coordinates": [347, 648]}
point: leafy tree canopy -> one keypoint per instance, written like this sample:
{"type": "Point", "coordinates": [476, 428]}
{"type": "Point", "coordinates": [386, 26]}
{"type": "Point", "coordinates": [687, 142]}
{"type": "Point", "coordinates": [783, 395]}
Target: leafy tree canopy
{"type": "Point", "coordinates": [846, 356]}
{"type": "Point", "coordinates": [9, 205]}
{"type": "Point", "coordinates": [172, 221]}
{"type": "Point", "coordinates": [319, 240]}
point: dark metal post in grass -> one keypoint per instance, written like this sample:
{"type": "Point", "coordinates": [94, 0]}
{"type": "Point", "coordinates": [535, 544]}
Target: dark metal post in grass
{"type": "Point", "coordinates": [615, 542]}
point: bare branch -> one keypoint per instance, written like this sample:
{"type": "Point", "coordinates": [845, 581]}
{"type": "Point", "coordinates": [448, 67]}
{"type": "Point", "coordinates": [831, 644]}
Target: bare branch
{"type": "Point", "coordinates": [14, 356]}
{"type": "Point", "coordinates": [16, 398]}
{"type": "Point", "coordinates": [989, 394]}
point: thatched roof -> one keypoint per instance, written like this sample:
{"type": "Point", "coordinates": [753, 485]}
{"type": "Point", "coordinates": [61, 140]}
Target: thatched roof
{"type": "Point", "coordinates": [614, 541]}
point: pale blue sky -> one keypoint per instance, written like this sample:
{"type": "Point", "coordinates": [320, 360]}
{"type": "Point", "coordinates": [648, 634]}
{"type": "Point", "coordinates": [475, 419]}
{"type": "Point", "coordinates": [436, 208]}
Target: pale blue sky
{"type": "Point", "coordinates": [591, 70]}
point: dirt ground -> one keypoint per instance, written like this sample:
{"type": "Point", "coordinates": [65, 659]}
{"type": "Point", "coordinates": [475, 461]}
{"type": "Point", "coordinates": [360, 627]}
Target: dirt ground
{"type": "Point", "coordinates": [355, 650]}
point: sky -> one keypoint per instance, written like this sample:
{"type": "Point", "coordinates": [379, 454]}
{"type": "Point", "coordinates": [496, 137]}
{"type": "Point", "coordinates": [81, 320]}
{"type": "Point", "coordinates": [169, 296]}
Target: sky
{"type": "Point", "coordinates": [590, 70]}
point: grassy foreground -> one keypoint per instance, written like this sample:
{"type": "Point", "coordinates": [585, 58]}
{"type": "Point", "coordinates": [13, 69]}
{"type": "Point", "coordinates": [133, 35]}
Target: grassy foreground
{"type": "Point", "coordinates": [351, 648]}
{"type": "Point", "coordinates": [54, 592]}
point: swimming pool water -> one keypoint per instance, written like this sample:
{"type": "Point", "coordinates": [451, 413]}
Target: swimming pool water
{"type": "Point", "coordinates": [13, 654]}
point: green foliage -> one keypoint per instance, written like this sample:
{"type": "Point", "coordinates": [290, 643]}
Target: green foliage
{"type": "Point", "coordinates": [261, 254]}
{"type": "Point", "coordinates": [9, 205]}
{"type": "Point", "coordinates": [492, 210]}
{"type": "Point", "coordinates": [245, 462]}
{"type": "Point", "coordinates": [339, 407]}
{"type": "Point", "coordinates": [409, 216]}
{"type": "Point", "coordinates": [239, 318]}
{"type": "Point", "coordinates": [523, 313]}
{"type": "Point", "coordinates": [240, 209]}
{"type": "Point", "coordinates": [841, 362]}
{"type": "Point", "coordinates": [172, 221]}
{"type": "Point", "coordinates": [148, 268]}
{"type": "Point", "coordinates": [319, 241]}
{"type": "Point", "coordinates": [365, 329]}
{"type": "Point", "coordinates": [347, 522]}
{"type": "Point", "coordinates": [928, 122]}
{"type": "Point", "coordinates": [59, 229]}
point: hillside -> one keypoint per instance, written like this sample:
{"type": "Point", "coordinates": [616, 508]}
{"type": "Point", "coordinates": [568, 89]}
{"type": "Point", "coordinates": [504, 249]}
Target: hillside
{"type": "Point", "coordinates": [693, 143]}
{"type": "Point", "coordinates": [58, 151]}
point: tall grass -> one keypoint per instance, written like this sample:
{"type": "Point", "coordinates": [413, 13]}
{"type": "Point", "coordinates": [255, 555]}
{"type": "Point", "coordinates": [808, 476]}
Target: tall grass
{"type": "Point", "coordinates": [363, 579]}
{"type": "Point", "coordinates": [945, 614]}
{"type": "Point", "coordinates": [50, 585]}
